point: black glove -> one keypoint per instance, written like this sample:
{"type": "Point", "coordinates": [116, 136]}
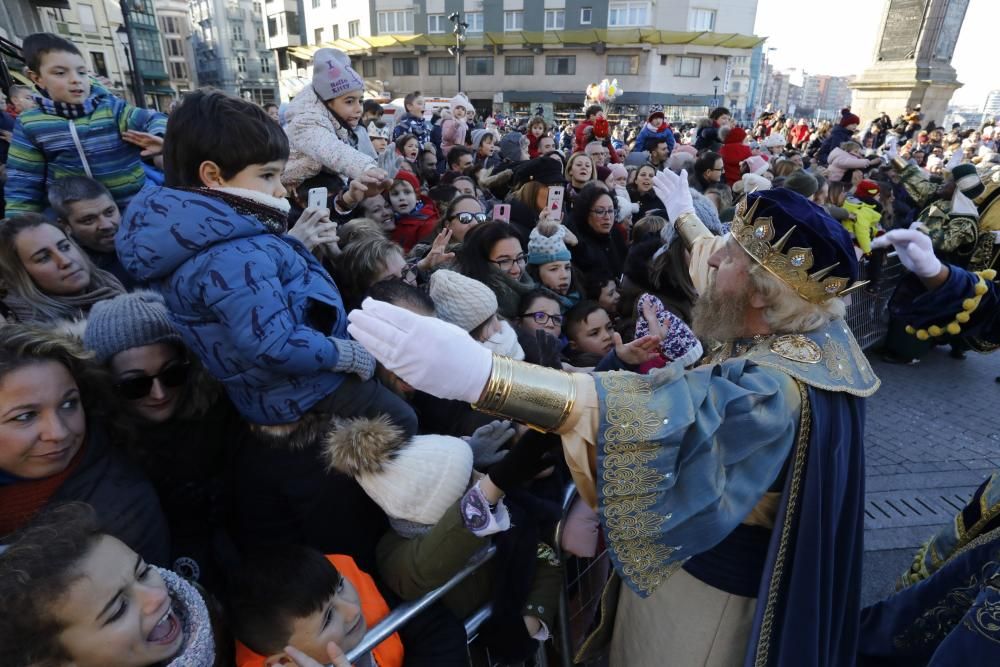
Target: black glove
{"type": "Point", "coordinates": [529, 456]}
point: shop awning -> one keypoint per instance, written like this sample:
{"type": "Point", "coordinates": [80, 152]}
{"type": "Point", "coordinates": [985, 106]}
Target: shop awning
{"type": "Point", "coordinates": [614, 37]}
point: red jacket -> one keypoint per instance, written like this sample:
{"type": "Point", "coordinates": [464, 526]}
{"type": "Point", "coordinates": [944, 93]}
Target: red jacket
{"type": "Point", "coordinates": [532, 146]}
{"type": "Point", "coordinates": [733, 152]}
{"type": "Point", "coordinates": [416, 225]}
{"type": "Point", "coordinates": [800, 133]}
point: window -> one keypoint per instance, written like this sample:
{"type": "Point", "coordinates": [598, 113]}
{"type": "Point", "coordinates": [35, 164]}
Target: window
{"type": "Point", "coordinates": [174, 47]}
{"type": "Point", "coordinates": [368, 68]}
{"type": "Point", "coordinates": [405, 67]}
{"type": "Point", "coordinates": [87, 21]}
{"type": "Point", "coordinates": [100, 64]}
{"type": "Point", "coordinates": [272, 26]}
{"type": "Point", "coordinates": [555, 19]}
{"type": "Point", "coordinates": [586, 16]}
{"type": "Point", "coordinates": [623, 64]}
{"type": "Point", "coordinates": [734, 87]}
{"type": "Point", "coordinates": [519, 65]}
{"type": "Point", "coordinates": [316, 3]}
{"type": "Point", "coordinates": [354, 29]}
{"type": "Point", "coordinates": [259, 30]}
{"type": "Point", "coordinates": [318, 36]}
{"type": "Point", "coordinates": [437, 24]}
{"type": "Point", "coordinates": [628, 14]}
{"type": "Point", "coordinates": [399, 21]}
{"type": "Point", "coordinates": [441, 66]}
{"type": "Point", "coordinates": [333, 4]}
{"type": "Point", "coordinates": [686, 66]}
{"type": "Point", "coordinates": [178, 70]}
{"type": "Point", "coordinates": [169, 24]}
{"type": "Point", "coordinates": [256, 8]}
{"type": "Point", "coordinates": [513, 21]}
{"type": "Point", "coordinates": [475, 21]}
{"type": "Point", "coordinates": [241, 64]}
{"type": "Point", "coordinates": [560, 64]}
{"type": "Point", "coordinates": [663, 60]}
{"type": "Point", "coordinates": [479, 66]}
{"type": "Point", "coordinates": [336, 32]}
{"type": "Point", "coordinates": [265, 61]}
{"type": "Point", "coordinates": [701, 20]}
{"type": "Point", "coordinates": [237, 31]}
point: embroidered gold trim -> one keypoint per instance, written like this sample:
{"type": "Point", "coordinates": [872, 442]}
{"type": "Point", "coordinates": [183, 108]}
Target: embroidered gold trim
{"type": "Point", "coordinates": [630, 485]}
{"type": "Point", "coordinates": [794, 489]}
{"type": "Point", "coordinates": [796, 347]}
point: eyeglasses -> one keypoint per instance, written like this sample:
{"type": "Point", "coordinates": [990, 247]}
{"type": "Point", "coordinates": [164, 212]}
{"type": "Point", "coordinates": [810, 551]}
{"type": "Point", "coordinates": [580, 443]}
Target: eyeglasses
{"type": "Point", "coordinates": [138, 387]}
{"type": "Point", "coordinates": [602, 212]}
{"type": "Point", "coordinates": [507, 264]}
{"type": "Point", "coordinates": [469, 218]}
{"type": "Point", "coordinates": [544, 318]}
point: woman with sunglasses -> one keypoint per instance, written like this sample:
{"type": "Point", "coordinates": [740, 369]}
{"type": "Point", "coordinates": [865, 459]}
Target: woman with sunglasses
{"type": "Point", "coordinates": [492, 254]}
{"type": "Point", "coordinates": [54, 447]}
{"type": "Point", "coordinates": [600, 243]}
{"type": "Point", "coordinates": [46, 275]}
{"type": "Point", "coordinates": [174, 422]}
{"type": "Point", "coordinates": [460, 215]}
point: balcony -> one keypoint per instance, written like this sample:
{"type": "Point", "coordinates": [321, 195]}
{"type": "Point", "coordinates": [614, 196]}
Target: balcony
{"type": "Point", "coordinates": [240, 44]}
{"type": "Point", "coordinates": [235, 14]}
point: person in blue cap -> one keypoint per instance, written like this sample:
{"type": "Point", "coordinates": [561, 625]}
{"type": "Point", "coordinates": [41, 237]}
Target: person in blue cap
{"type": "Point", "coordinates": [731, 494]}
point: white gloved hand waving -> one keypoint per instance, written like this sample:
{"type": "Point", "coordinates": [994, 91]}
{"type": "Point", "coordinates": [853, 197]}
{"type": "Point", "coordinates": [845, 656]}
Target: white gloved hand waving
{"type": "Point", "coordinates": [428, 354]}
{"type": "Point", "coordinates": [914, 250]}
{"type": "Point", "coordinates": [672, 189]}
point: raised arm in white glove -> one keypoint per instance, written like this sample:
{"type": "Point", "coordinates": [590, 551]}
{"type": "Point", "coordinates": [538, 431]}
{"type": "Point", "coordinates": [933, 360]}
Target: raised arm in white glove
{"type": "Point", "coordinates": [673, 191]}
{"type": "Point", "coordinates": [914, 250]}
{"type": "Point", "coordinates": [426, 353]}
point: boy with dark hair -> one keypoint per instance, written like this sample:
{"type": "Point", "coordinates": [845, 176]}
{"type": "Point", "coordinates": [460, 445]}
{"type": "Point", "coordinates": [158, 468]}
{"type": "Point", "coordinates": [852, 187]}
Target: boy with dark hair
{"type": "Point", "coordinates": [87, 211]}
{"type": "Point", "coordinates": [593, 112]}
{"type": "Point", "coordinates": [371, 111]}
{"type": "Point", "coordinates": [78, 129]}
{"type": "Point", "coordinates": [461, 159]}
{"type": "Point", "coordinates": [413, 122]}
{"type": "Point", "coordinates": [295, 596]}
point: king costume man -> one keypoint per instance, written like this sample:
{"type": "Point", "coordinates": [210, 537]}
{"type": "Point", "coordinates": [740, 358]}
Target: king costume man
{"type": "Point", "coordinates": [731, 494]}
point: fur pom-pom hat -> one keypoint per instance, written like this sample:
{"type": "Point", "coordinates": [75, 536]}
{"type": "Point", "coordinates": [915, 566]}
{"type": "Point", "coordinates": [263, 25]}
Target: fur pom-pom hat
{"type": "Point", "coordinates": [414, 480]}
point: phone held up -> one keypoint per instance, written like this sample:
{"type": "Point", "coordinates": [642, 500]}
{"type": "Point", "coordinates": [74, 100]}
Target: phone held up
{"type": "Point", "coordinates": [501, 213]}
{"type": "Point", "coordinates": [555, 203]}
{"type": "Point", "coordinates": [317, 198]}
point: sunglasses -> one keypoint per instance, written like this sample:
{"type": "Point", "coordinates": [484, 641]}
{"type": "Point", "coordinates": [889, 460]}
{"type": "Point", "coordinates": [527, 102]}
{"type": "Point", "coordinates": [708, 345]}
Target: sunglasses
{"type": "Point", "coordinates": [138, 387]}
{"type": "Point", "coordinates": [469, 218]}
{"type": "Point", "coordinates": [542, 318]}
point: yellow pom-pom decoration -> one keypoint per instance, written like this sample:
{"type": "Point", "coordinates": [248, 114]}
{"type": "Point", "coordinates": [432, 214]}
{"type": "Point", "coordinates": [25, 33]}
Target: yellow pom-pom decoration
{"type": "Point", "coordinates": [953, 328]}
{"type": "Point", "coordinates": [970, 305]}
{"type": "Point", "coordinates": [988, 274]}
{"type": "Point", "coordinates": [962, 317]}
{"type": "Point", "coordinates": [922, 334]}
{"type": "Point", "coordinates": [980, 288]}
{"type": "Point", "coordinates": [935, 330]}
{"type": "Point", "coordinates": [910, 330]}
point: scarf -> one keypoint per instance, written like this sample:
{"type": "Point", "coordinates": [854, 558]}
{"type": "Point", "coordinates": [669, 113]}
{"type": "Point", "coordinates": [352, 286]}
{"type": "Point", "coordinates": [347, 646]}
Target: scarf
{"type": "Point", "coordinates": [272, 212]}
{"type": "Point", "coordinates": [509, 291]}
{"type": "Point", "coordinates": [66, 110]}
{"type": "Point", "coordinates": [21, 499]}
{"type": "Point", "coordinates": [505, 343]}
{"type": "Point", "coordinates": [27, 312]}
{"type": "Point", "coordinates": [198, 649]}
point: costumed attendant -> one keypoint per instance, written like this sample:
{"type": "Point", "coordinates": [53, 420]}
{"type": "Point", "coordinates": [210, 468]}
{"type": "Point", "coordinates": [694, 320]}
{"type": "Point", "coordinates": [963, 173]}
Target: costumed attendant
{"type": "Point", "coordinates": [731, 495]}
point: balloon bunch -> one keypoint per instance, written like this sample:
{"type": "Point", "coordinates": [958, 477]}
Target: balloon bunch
{"type": "Point", "coordinates": [604, 92]}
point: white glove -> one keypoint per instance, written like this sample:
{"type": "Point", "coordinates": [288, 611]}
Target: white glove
{"type": "Point", "coordinates": [426, 353]}
{"type": "Point", "coordinates": [673, 191]}
{"type": "Point", "coordinates": [892, 153]}
{"type": "Point", "coordinates": [914, 250]}
{"type": "Point", "coordinates": [956, 159]}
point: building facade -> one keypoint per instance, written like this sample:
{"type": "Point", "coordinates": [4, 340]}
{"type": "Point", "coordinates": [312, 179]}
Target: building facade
{"type": "Point", "coordinates": [21, 17]}
{"type": "Point", "coordinates": [175, 33]}
{"type": "Point", "coordinates": [231, 50]}
{"type": "Point", "coordinates": [517, 54]}
{"type": "Point", "coordinates": [991, 107]}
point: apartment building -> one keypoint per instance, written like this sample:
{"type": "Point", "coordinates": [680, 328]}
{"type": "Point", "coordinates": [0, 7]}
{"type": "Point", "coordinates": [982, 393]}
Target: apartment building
{"type": "Point", "coordinates": [231, 50]}
{"type": "Point", "coordinates": [175, 33]}
{"type": "Point", "coordinates": [518, 54]}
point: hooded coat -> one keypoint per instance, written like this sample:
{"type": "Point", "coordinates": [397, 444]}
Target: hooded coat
{"type": "Point", "coordinates": [253, 303]}
{"type": "Point", "coordinates": [838, 135]}
{"type": "Point", "coordinates": [733, 152]}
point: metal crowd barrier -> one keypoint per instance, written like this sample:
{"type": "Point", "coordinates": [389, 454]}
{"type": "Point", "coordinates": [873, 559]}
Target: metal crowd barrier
{"type": "Point", "coordinates": [868, 310]}
{"type": "Point", "coordinates": [405, 612]}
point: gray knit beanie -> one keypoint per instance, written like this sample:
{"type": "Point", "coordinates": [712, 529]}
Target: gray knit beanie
{"type": "Point", "coordinates": [461, 300]}
{"type": "Point", "coordinates": [127, 321]}
{"type": "Point", "coordinates": [802, 182]}
{"type": "Point", "coordinates": [333, 75]}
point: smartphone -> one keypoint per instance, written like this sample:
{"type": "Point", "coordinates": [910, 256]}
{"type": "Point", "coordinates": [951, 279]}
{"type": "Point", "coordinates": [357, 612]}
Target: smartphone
{"type": "Point", "coordinates": [317, 198]}
{"type": "Point", "coordinates": [555, 204]}
{"type": "Point", "coordinates": [501, 213]}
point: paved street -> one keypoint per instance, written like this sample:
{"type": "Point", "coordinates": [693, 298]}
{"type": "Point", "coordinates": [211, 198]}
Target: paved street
{"type": "Point", "coordinates": [932, 436]}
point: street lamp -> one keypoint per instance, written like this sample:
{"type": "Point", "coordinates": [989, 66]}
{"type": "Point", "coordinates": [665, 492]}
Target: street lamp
{"type": "Point", "coordinates": [126, 37]}
{"type": "Point", "coordinates": [715, 96]}
{"type": "Point", "coordinates": [459, 29]}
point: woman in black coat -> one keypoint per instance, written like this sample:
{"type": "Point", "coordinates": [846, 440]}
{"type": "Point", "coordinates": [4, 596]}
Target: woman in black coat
{"type": "Point", "coordinates": [601, 245]}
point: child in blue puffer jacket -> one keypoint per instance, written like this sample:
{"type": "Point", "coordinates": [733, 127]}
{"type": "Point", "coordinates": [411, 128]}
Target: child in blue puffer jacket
{"type": "Point", "coordinates": [258, 309]}
{"type": "Point", "coordinates": [656, 127]}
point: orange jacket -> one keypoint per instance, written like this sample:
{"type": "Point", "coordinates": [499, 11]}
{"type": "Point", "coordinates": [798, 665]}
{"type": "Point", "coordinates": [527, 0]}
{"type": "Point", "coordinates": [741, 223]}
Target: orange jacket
{"type": "Point", "coordinates": [374, 607]}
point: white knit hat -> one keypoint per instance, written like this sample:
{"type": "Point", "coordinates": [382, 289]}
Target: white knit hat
{"type": "Point", "coordinates": [415, 480]}
{"type": "Point", "coordinates": [461, 300]}
{"type": "Point", "coordinates": [461, 100]}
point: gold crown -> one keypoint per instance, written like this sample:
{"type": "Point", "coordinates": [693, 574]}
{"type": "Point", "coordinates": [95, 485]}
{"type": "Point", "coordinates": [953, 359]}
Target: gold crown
{"type": "Point", "coordinates": [755, 234]}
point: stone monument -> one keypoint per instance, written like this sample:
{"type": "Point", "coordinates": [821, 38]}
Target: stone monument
{"type": "Point", "coordinates": [912, 60]}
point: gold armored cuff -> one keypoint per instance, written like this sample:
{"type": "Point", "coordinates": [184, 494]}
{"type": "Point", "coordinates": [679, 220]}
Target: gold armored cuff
{"type": "Point", "coordinates": [690, 228]}
{"type": "Point", "coordinates": [540, 397]}
{"type": "Point", "coordinates": [899, 164]}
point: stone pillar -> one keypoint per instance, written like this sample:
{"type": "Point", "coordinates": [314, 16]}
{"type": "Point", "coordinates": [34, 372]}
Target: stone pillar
{"type": "Point", "coordinates": [912, 61]}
